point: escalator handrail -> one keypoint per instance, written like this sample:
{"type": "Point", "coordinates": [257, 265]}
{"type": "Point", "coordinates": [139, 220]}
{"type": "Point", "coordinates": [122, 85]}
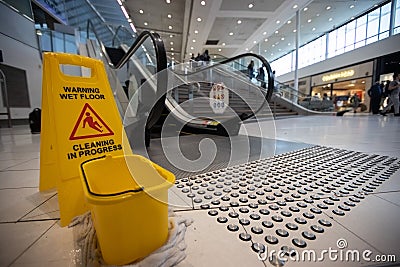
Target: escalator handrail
{"type": "Point", "coordinates": [271, 79]}
{"type": "Point", "coordinates": [161, 57]}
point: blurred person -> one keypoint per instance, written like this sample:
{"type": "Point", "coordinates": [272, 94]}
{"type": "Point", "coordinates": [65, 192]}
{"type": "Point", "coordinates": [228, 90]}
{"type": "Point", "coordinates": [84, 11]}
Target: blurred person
{"type": "Point", "coordinates": [250, 70]}
{"type": "Point", "coordinates": [394, 90]}
{"type": "Point", "coordinates": [355, 102]}
{"type": "Point", "coordinates": [375, 94]}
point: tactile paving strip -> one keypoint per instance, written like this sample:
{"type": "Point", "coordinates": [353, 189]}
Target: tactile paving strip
{"type": "Point", "coordinates": [289, 200]}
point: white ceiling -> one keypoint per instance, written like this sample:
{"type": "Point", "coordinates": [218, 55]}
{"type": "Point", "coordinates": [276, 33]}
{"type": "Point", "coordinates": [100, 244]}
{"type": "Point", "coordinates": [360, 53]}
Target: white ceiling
{"type": "Point", "coordinates": [219, 21]}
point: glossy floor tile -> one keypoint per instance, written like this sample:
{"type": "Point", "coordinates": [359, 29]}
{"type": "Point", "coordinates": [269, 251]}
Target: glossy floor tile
{"type": "Point", "coordinates": [32, 236]}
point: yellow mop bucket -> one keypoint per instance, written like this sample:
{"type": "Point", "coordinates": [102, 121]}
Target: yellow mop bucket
{"type": "Point", "coordinates": [128, 199]}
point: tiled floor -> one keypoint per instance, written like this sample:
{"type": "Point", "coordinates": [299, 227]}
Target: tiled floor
{"type": "Point", "coordinates": [31, 235]}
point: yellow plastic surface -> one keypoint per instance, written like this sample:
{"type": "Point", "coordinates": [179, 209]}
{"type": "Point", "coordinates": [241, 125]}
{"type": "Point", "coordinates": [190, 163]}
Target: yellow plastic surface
{"type": "Point", "coordinates": [129, 225]}
{"type": "Point", "coordinates": [80, 120]}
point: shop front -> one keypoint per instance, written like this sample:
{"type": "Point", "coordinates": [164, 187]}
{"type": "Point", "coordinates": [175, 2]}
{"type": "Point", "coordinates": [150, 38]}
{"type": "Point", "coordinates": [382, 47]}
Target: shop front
{"type": "Point", "coordinates": [340, 85]}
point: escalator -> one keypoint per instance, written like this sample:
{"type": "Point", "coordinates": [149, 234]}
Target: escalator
{"type": "Point", "coordinates": [189, 96]}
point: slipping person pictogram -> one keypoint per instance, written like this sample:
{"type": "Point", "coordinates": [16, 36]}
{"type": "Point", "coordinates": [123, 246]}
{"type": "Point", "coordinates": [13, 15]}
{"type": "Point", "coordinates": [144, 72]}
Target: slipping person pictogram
{"type": "Point", "coordinates": [92, 123]}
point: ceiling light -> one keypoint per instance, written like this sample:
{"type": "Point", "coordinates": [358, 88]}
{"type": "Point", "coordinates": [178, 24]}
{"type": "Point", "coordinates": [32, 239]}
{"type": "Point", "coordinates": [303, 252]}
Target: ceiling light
{"type": "Point", "coordinates": [294, 30]}
{"type": "Point", "coordinates": [273, 45]}
{"type": "Point", "coordinates": [247, 49]}
{"type": "Point", "coordinates": [170, 36]}
{"type": "Point", "coordinates": [272, 54]}
{"type": "Point", "coordinates": [171, 43]}
{"type": "Point", "coordinates": [251, 5]}
{"type": "Point", "coordinates": [194, 40]}
{"type": "Point", "coordinates": [289, 21]}
{"type": "Point", "coordinates": [133, 27]}
{"type": "Point", "coordinates": [309, 20]}
{"type": "Point", "coordinates": [266, 40]}
{"type": "Point", "coordinates": [191, 47]}
{"type": "Point", "coordinates": [295, 6]}
{"type": "Point", "coordinates": [231, 33]}
{"type": "Point", "coordinates": [313, 29]}
{"type": "Point", "coordinates": [129, 20]}
{"type": "Point", "coordinates": [145, 24]}
{"type": "Point", "coordinates": [203, 3]}
{"type": "Point", "coordinates": [328, 7]}
{"type": "Point", "coordinates": [219, 49]}
{"type": "Point", "coordinates": [330, 19]}
{"type": "Point", "coordinates": [289, 44]}
{"type": "Point", "coordinates": [317, 15]}
{"type": "Point", "coordinates": [352, 18]}
{"type": "Point", "coordinates": [141, 11]}
{"type": "Point", "coordinates": [305, 9]}
{"type": "Point", "coordinates": [352, 6]}
{"type": "Point", "coordinates": [276, 32]}
{"type": "Point", "coordinates": [265, 50]}
{"type": "Point", "coordinates": [168, 1]}
{"type": "Point", "coordinates": [172, 54]}
{"type": "Point", "coordinates": [279, 49]}
{"type": "Point", "coordinates": [173, 58]}
{"type": "Point", "coordinates": [283, 38]}
{"type": "Point", "coordinates": [239, 21]}
{"type": "Point", "coordinates": [172, 49]}
{"type": "Point", "coordinates": [254, 42]}
{"type": "Point", "coordinates": [199, 19]}
{"type": "Point", "coordinates": [119, 2]}
{"type": "Point", "coordinates": [264, 33]}
{"type": "Point", "coordinates": [223, 44]}
{"type": "Point", "coordinates": [169, 16]}
{"type": "Point", "coordinates": [251, 51]}
{"type": "Point", "coordinates": [170, 27]}
{"type": "Point", "coordinates": [278, 21]}
{"type": "Point", "coordinates": [196, 31]}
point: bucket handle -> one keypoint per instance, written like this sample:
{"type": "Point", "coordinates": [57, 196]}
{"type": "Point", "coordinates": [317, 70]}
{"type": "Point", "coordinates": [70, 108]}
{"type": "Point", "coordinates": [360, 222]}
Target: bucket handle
{"type": "Point", "coordinates": [105, 195]}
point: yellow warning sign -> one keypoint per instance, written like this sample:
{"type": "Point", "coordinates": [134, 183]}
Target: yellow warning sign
{"type": "Point", "coordinates": [80, 120]}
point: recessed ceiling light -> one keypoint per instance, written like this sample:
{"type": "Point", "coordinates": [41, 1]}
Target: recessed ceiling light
{"type": "Point", "coordinates": [172, 49]}
{"type": "Point", "coordinates": [215, 56]}
{"type": "Point", "coordinates": [266, 40]}
{"type": "Point", "coordinates": [173, 58]}
{"type": "Point", "coordinates": [264, 33]}
{"type": "Point", "coordinates": [196, 31]}
{"type": "Point", "coordinates": [223, 44]}
{"type": "Point", "coordinates": [141, 11]}
{"type": "Point", "coordinates": [352, 6]}
{"type": "Point", "coordinates": [309, 20]}
{"type": "Point", "coordinates": [251, 5]}
{"type": "Point", "coordinates": [231, 33]}
{"type": "Point", "coordinates": [145, 23]}
{"type": "Point", "coordinates": [170, 27]}
{"type": "Point", "coordinates": [171, 43]}
{"type": "Point", "coordinates": [251, 51]}
{"type": "Point", "coordinates": [278, 21]}
{"type": "Point", "coordinates": [276, 31]}
{"type": "Point", "coordinates": [172, 54]}
{"type": "Point", "coordinates": [168, 1]}
{"type": "Point", "coordinates": [203, 3]}
{"type": "Point", "coordinates": [191, 48]}
{"type": "Point", "coordinates": [330, 19]}
{"type": "Point", "coordinates": [265, 50]}
{"type": "Point", "coordinates": [169, 16]}
{"type": "Point", "coordinates": [272, 54]}
{"type": "Point", "coordinates": [194, 40]}
{"type": "Point", "coordinates": [289, 21]}
{"type": "Point", "coordinates": [289, 44]}
{"type": "Point", "coordinates": [219, 49]}
{"type": "Point", "coordinates": [305, 9]}
{"type": "Point", "coordinates": [170, 36]}
{"type": "Point", "coordinates": [279, 49]}
{"type": "Point", "coordinates": [273, 45]}
{"type": "Point", "coordinates": [254, 42]}
{"type": "Point", "coordinates": [247, 49]}
{"type": "Point", "coordinates": [239, 21]}
{"type": "Point", "coordinates": [313, 29]}
{"type": "Point", "coordinates": [199, 19]}
{"type": "Point", "coordinates": [328, 7]}
{"type": "Point", "coordinates": [295, 6]}
{"type": "Point", "coordinates": [129, 20]}
{"type": "Point", "coordinates": [294, 30]}
{"type": "Point", "coordinates": [317, 15]}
